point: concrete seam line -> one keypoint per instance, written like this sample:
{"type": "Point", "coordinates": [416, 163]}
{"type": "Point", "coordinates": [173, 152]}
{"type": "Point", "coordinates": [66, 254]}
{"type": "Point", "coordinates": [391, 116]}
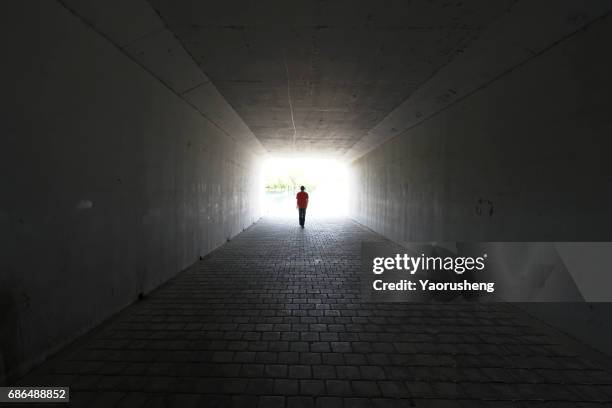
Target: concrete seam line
{"type": "Point", "coordinates": [122, 50]}
{"type": "Point", "coordinates": [429, 77]}
{"type": "Point", "coordinates": [489, 82]}
{"type": "Point", "coordinates": [290, 103]}
{"type": "Point", "coordinates": [511, 69]}
{"type": "Point", "coordinates": [167, 27]}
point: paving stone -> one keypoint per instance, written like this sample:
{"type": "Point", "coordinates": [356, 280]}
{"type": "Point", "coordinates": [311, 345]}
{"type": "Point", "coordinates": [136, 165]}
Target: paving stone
{"type": "Point", "coordinates": [329, 402]}
{"type": "Point", "coordinates": [312, 387]}
{"type": "Point", "coordinates": [272, 401]}
{"type": "Point", "coordinates": [324, 371]}
{"type": "Point", "coordinates": [338, 387]}
{"type": "Point", "coordinates": [300, 371]}
{"type": "Point", "coordinates": [300, 402]}
{"type": "Point", "coordinates": [275, 370]}
{"type": "Point", "coordinates": [365, 388]}
{"type": "Point", "coordinates": [274, 318]}
{"type": "Point", "coordinates": [286, 386]}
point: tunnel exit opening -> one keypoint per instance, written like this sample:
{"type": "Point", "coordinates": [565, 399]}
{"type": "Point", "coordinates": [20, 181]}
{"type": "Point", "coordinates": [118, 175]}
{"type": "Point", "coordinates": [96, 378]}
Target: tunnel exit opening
{"type": "Point", "coordinates": [325, 181]}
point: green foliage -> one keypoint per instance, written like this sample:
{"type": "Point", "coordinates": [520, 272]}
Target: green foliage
{"type": "Point", "coordinates": [290, 180]}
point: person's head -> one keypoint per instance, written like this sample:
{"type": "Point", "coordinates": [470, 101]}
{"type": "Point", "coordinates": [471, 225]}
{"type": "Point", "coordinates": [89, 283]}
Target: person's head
{"type": "Point", "coordinates": [302, 188]}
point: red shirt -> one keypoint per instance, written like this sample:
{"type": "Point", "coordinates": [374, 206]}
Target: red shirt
{"type": "Point", "coordinates": [302, 199]}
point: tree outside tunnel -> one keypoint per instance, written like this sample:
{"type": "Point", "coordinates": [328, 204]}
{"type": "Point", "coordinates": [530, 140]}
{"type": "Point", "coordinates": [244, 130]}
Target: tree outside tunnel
{"type": "Point", "coordinates": [325, 181]}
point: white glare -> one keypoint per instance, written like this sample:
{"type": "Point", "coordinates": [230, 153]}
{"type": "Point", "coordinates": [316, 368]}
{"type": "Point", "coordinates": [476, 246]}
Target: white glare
{"type": "Point", "coordinates": [325, 181]}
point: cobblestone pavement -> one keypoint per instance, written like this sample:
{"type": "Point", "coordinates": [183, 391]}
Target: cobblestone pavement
{"type": "Point", "coordinates": [273, 319]}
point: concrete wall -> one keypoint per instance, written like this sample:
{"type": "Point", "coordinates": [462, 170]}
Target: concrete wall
{"type": "Point", "coordinates": [111, 183]}
{"type": "Point", "coordinates": [526, 158]}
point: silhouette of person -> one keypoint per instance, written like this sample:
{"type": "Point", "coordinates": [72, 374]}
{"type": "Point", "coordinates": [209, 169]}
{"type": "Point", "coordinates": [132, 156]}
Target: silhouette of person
{"type": "Point", "coordinates": [302, 203]}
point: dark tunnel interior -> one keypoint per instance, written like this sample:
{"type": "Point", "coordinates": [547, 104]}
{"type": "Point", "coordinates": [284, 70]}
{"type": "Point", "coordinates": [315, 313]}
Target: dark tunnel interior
{"type": "Point", "coordinates": [141, 267]}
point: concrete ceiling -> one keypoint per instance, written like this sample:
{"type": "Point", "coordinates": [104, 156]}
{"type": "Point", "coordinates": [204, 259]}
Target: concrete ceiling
{"type": "Point", "coordinates": [331, 77]}
{"type": "Point", "coordinates": [317, 76]}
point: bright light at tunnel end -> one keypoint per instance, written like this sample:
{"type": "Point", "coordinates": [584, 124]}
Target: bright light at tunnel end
{"type": "Point", "coordinates": [325, 179]}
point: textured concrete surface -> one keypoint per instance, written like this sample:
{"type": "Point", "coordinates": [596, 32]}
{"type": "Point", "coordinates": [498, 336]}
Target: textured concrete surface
{"type": "Point", "coordinates": [522, 34]}
{"type": "Point", "coordinates": [523, 159]}
{"type": "Point", "coordinates": [274, 319]}
{"type": "Point", "coordinates": [341, 77]}
{"type": "Point", "coordinates": [314, 77]}
{"type": "Point", "coordinates": [135, 28]}
{"type": "Point", "coordinates": [111, 183]}
{"type": "Point", "coordinates": [122, 161]}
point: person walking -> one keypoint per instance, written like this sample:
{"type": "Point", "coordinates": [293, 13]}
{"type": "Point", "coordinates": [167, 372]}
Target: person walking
{"type": "Point", "coordinates": [302, 203]}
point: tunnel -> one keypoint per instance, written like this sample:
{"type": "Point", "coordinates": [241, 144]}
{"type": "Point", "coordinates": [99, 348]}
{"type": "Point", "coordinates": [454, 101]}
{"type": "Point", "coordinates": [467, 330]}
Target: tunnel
{"type": "Point", "coordinates": [142, 265]}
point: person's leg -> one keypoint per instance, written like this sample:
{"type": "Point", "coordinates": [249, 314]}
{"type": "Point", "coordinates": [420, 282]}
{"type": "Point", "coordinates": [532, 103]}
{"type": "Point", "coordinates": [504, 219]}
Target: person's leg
{"type": "Point", "coordinates": [303, 216]}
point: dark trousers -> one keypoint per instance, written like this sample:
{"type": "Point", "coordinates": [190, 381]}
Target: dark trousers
{"type": "Point", "coordinates": [302, 216]}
